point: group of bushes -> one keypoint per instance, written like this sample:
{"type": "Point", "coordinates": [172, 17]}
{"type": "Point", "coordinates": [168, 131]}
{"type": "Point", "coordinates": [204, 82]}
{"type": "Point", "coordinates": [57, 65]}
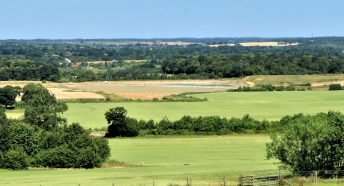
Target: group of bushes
{"type": "Point", "coordinates": [333, 87]}
{"type": "Point", "coordinates": [270, 88]}
{"type": "Point", "coordinates": [43, 139]}
{"type": "Point", "coordinates": [121, 125]}
{"type": "Point", "coordinates": [24, 145]}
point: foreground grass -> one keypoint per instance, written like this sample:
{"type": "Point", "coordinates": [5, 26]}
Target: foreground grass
{"type": "Point", "coordinates": [166, 160]}
{"type": "Point", "coordinates": [260, 105]}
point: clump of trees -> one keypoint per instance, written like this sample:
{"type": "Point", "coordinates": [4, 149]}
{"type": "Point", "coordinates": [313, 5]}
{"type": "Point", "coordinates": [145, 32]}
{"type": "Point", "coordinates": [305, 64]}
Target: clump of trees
{"type": "Point", "coordinates": [17, 69]}
{"type": "Point", "coordinates": [43, 139]}
{"type": "Point", "coordinates": [8, 95]}
{"type": "Point", "coordinates": [309, 143]}
{"type": "Point", "coordinates": [120, 124]}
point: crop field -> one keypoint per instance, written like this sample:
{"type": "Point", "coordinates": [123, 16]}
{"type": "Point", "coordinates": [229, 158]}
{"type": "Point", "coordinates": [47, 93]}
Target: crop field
{"type": "Point", "coordinates": [147, 90]}
{"type": "Point", "coordinates": [58, 90]}
{"type": "Point", "coordinates": [153, 89]}
{"type": "Point", "coordinates": [257, 44]}
{"type": "Point", "coordinates": [164, 160]}
{"type": "Point", "coordinates": [260, 105]}
{"type": "Point", "coordinates": [267, 44]}
{"type": "Point", "coordinates": [144, 90]}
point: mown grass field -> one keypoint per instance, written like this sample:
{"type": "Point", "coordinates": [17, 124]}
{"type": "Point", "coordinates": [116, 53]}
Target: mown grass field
{"type": "Point", "coordinates": [164, 160]}
{"type": "Point", "coordinates": [260, 105]}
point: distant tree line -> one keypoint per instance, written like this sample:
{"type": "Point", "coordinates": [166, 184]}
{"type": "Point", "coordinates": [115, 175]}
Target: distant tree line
{"type": "Point", "coordinates": [40, 59]}
{"type": "Point", "coordinates": [16, 69]}
{"type": "Point", "coordinates": [226, 66]}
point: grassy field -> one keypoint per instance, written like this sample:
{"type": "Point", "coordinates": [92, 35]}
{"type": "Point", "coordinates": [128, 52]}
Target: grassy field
{"type": "Point", "coordinates": [294, 79]}
{"type": "Point", "coordinates": [260, 105]}
{"type": "Point", "coordinates": [165, 160]}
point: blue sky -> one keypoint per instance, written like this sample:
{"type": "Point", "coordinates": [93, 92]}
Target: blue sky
{"type": "Point", "coordinates": [66, 19]}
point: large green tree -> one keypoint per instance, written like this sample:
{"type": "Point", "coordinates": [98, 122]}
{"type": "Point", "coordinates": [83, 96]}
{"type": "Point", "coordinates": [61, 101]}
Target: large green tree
{"type": "Point", "coordinates": [309, 143]}
{"type": "Point", "coordinates": [43, 109]}
{"type": "Point", "coordinates": [8, 96]}
{"type": "Point", "coordinates": [120, 124]}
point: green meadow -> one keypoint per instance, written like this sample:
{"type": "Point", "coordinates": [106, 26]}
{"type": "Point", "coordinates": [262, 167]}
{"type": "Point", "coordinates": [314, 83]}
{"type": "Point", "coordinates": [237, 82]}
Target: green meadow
{"type": "Point", "coordinates": [259, 105]}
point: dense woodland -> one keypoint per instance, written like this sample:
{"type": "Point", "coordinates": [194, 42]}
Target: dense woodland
{"type": "Point", "coordinates": [46, 59]}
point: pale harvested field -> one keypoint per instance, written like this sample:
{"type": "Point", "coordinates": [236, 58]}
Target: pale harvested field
{"type": "Point", "coordinates": [219, 45]}
{"type": "Point", "coordinates": [153, 89]}
{"type": "Point", "coordinates": [66, 94]}
{"type": "Point", "coordinates": [58, 90]}
{"type": "Point", "coordinates": [273, 44]}
{"type": "Point", "coordinates": [253, 44]}
{"type": "Point", "coordinates": [135, 61]}
{"type": "Point", "coordinates": [145, 90]}
{"type": "Point", "coordinates": [176, 43]}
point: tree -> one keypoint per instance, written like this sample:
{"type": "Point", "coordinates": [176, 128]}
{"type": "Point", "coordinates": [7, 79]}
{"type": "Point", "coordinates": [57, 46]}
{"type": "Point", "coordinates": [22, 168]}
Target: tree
{"type": "Point", "coordinates": [119, 124]}
{"type": "Point", "coordinates": [8, 96]}
{"type": "Point", "coordinates": [309, 143]}
{"type": "Point", "coordinates": [43, 109]}
{"type": "Point", "coordinates": [30, 90]}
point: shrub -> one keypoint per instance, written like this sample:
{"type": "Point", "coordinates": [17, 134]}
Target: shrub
{"type": "Point", "coordinates": [335, 87]}
{"type": "Point", "coordinates": [3, 118]}
{"type": "Point", "coordinates": [74, 148]}
{"type": "Point", "coordinates": [14, 159]}
{"type": "Point", "coordinates": [19, 135]}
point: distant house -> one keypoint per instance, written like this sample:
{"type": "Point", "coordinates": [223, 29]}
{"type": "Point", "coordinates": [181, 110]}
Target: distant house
{"type": "Point", "coordinates": [67, 62]}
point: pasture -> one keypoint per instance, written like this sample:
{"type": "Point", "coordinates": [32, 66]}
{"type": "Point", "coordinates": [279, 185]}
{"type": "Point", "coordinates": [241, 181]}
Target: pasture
{"type": "Point", "coordinates": [164, 160]}
{"type": "Point", "coordinates": [260, 105]}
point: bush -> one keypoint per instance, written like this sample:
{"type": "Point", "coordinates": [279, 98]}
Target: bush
{"type": "Point", "coordinates": [266, 88]}
{"type": "Point", "coordinates": [19, 135]}
{"type": "Point", "coordinates": [72, 146]}
{"type": "Point", "coordinates": [335, 87]}
{"type": "Point", "coordinates": [59, 157]}
{"type": "Point", "coordinates": [3, 118]}
{"type": "Point", "coordinates": [14, 159]}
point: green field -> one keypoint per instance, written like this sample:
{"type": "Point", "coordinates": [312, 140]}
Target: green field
{"type": "Point", "coordinates": [260, 105]}
{"type": "Point", "coordinates": [163, 160]}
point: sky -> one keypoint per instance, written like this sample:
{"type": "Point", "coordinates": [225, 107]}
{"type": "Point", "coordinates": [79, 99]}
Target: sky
{"type": "Point", "coordinates": [92, 19]}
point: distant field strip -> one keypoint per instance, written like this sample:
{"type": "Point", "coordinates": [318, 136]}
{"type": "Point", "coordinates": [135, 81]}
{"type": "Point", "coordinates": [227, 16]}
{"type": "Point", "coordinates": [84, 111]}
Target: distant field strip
{"type": "Point", "coordinates": [153, 89]}
{"type": "Point", "coordinates": [260, 105]}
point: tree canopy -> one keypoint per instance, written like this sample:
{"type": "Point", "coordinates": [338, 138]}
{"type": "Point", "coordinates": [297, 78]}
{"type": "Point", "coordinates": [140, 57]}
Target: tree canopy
{"type": "Point", "coordinates": [309, 143]}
